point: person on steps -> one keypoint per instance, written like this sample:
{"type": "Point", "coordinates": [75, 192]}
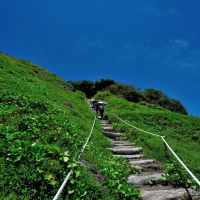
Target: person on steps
{"type": "Point", "coordinates": [101, 110]}
{"type": "Point", "coordinates": [93, 103]}
{"type": "Point", "coordinates": [97, 108]}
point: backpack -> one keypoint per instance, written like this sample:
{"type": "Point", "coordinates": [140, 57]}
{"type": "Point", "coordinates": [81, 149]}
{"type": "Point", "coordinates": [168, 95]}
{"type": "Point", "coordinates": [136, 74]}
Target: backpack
{"type": "Point", "coordinates": [101, 107]}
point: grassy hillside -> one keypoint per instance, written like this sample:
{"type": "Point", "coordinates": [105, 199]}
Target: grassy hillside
{"type": "Point", "coordinates": [44, 123]}
{"type": "Point", "coordinates": [43, 126]}
{"type": "Point", "coordinates": [182, 133]}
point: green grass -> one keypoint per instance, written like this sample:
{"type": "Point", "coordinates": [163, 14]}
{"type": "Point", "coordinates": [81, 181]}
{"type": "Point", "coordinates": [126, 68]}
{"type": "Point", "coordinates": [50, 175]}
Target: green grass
{"type": "Point", "coordinates": [44, 123]}
{"type": "Point", "coordinates": [182, 132]}
{"type": "Point", "coordinates": [43, 126]}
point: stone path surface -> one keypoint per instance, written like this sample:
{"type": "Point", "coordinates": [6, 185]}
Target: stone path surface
{"type": "Point", "coordinates": [149, 170]}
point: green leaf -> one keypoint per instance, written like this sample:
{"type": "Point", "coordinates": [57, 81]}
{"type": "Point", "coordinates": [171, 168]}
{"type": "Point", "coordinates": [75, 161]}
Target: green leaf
{"type": "Point", "coordinates": [84, 194]}
{"type": "Point", "coordinates": [66, 153]}
{"type": "Point", "coordinates": [65, 159]}
{"type": "Point", "coordinates": [72, 181]}
{"type": "Point", "coordinates": [72, 165]}
{"type": "Point", "coordinates": [77, 173]}
{"type": "Point", "coordinates": [39, 170]}
{"type": "Point", "coordinates": [80, 184]}
{"type": "Point", "coordinates": [53, 182]}
{"type": "Point", "coordinates": [49, 176]}
{"type": "Point", "coordinates": [70, 191]}
{"type": "Point", "coordinates": [17, 158]}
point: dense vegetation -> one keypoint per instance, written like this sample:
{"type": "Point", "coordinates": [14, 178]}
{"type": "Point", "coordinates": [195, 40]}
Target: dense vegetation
{"type": "Point", "coordinates": [182, 132]}
{"type": "Point", "coordinates": [44, 123]}
{"type": "Point", "coordinates": [130, 93]}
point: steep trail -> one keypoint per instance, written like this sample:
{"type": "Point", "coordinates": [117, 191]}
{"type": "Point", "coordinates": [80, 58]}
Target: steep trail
{"type": "Point", "coordinates": [150, 170]}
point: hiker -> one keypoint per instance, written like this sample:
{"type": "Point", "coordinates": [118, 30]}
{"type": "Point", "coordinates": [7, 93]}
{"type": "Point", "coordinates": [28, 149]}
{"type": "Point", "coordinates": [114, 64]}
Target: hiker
{"type": "Point", "coordinates": [101, 110]}
{"type": "Point", "coordinates": [97, 108]}
{"type": "Point", "coordinates": [93, 103]}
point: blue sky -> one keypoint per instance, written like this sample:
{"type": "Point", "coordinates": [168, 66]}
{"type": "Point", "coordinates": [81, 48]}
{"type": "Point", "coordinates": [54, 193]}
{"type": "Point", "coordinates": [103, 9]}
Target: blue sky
{"type": "Point", "coordinates": [148, 44]}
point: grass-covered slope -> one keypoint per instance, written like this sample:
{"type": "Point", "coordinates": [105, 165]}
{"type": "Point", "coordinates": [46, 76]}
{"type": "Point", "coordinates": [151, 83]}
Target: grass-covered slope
{"type": "Point", "coordinates": [182, 132]}
{"type": "Point", "coordinates": [43, 126]}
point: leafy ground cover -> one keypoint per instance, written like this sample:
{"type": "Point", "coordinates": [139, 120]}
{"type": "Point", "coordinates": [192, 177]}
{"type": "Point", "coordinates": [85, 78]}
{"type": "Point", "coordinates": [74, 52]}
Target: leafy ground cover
{"type": "Point", "coordinates": [182, 133]}
{"type": "Point", "coordinates": [44, 123]}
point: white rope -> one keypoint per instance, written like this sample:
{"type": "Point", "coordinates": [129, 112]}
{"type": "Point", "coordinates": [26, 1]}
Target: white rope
{"type": "Point", "coordinates": [191, 174]}
{"type": "Point", "coordinates": [71, 171]}
{"type": "Point", "coordinates": [63, 185]}
{"type": "Point", "coordinates": [162, 137]}
{"type": "Point", "coordinates": [88, 138]}
{"type": "Point", "coordinates": [137, 128]}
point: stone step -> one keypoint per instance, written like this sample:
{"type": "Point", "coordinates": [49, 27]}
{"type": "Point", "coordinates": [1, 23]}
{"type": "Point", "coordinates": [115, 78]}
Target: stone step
{"type": "Point", "coordinates": [141, 162]}
{"type": "Point", "coordinates": [121, 143]}
{"type": "Point", "coordinates": [105, 125]}
{"type": "Point", "coordinates": [108, 128]}
{"type": "Point", "coordinates": [167, 193]}
{"type": "Point", "coordinates": [144, 178]}
{"type": "Point", "coordinates": [123, 146]}
{"type": "Point", "coordinates": [150, 167]}
{"type": "Point", "coordinates": [125, 151]}
{"type": "Point", "coordinates": [111, 134]}
{"type": "Point", "coordinates": [137, 167]}
{"type": "Point", "coordinates": [146, 168]}
{"type": "Point", "coordinates": [104, 121]}
{"type": "Point", "coordinates": [130, 156]}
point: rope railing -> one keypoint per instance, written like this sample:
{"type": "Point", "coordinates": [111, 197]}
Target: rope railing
{"type": "Point", "coordinates": [191, 174]}
{"type": "Point", "coordinates": [137, 128]}
{"type": "Point", "coordinates": [71, 171]}
{"type": "Point", "coordinates": [162, 137]}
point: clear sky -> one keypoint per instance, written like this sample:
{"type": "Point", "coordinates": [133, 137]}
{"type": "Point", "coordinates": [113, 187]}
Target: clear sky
{"type": "Point", "coordinates": [145, 43]}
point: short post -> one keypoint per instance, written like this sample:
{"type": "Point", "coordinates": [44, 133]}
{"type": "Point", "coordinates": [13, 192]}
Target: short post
{"type": "Point", "coordinates": [166, 154]}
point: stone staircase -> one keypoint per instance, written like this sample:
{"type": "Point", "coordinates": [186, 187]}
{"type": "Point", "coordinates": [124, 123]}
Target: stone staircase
{"type": "Point", "coordinates": [150, 170]}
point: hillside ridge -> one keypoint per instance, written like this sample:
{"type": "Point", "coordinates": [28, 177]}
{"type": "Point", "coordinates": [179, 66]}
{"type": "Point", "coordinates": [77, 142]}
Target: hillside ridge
{"type": "Point", "coordinates": [43, 126]}
{"type": "Point", "coordinates": [149, 97]}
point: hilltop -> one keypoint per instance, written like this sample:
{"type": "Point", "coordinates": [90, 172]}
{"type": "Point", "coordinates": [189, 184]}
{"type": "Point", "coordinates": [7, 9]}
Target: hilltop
{"type": "Point", "coordinates": [155, 97]}
{"type": "Point", "coordinates": [45, 121]}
